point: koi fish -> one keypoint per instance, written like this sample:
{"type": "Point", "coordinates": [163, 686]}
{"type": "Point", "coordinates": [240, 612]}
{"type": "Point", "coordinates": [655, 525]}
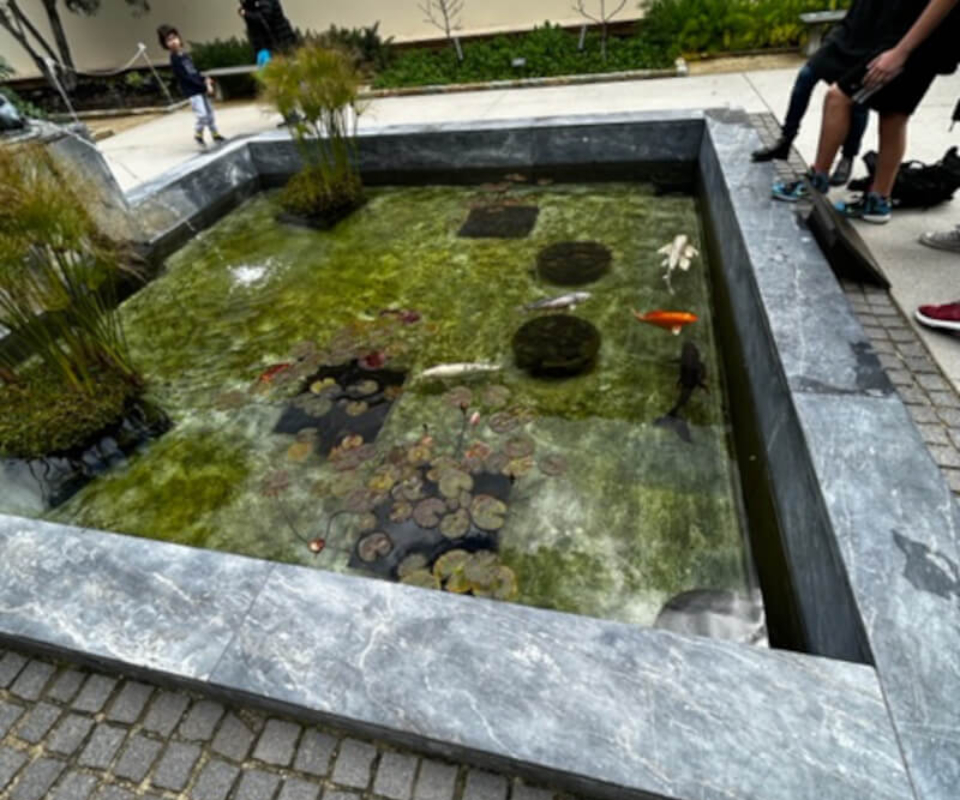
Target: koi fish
{"type": "Point", "coordinates": [693, 374]}
{"type": "Point", "coordinates": [455, 370]}
{"type": "Point", "coordinates": [673, 321]}
{"type": "Point", "coordinates": [679, 255]}
{"type": "Point", "coordinates": [564, 301]}
{"type": "Point", "coordinates": [271, 372]}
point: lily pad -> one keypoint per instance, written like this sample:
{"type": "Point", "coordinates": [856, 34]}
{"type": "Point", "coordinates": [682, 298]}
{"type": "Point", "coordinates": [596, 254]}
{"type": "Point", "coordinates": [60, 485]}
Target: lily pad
{"type": "Point", "coordinates": [503, 422]}
{"type": "Point", "coordinates": [401, 511]}
{"type": "Point", "coordinates": [367, 522]}
{"type": "Point", "coordinates": [412, 563]}
{"type": "Point", "coordinates": [455, 481]}
{"type": "Point", "coordinates": [360, 501]}
{"type": "Point", "coordinates": [356, 408]}
{"type": "Point", "coordinates": [409, 489]}
{"type": "Point", "coordinates": [314, 405]}
{"type": "Point", "coordinates": [496, 396]}
{"type": "Point", "coordinates": [439, 467]}
{"type": "Point", "coordinates": [299, 452]}
{"type": "Point", "coordinates": [518, 467]}
{"type": "Point", "coordinates": [427, 512]}
{"type": "Point", "coordinates": [481, 569]}
{"type": "Point", "coordinates": [520, 446]}
{"type": "Point", "coordinates": [384, 479]}
{"type": "Point", "coordinates": [422, 578]}
{"type": "Point", "coordinates": [322, 386]}
{"type": "Point", "coordinates": [458, 397]}
{"type": "Point", "coordinates": [308, 435]}
{"type": "Point", "coordinates": [455, 525]}
{"type": "Point", "coordinates": [458, 583]}
{"type": "Point", "coordinates": [452, 503]}
{"type": "Point", "coordinates": [488, 513]}
{"type": "Point", "coordinates": [553, 465]}
{"type": "Point", "coordinates": [363, 388]}
{"type": "Point", "coordinates": [503, 586]}
{"type": "Point", "coordinates": [374, 546]}
{"type": "Point", "coordinates": [497, 463]}
{"type": "Point", "coordinates": [275, 484]}
{"type": "Point", "coordinates": [341, 485]}
{"type": "Point", "coordinates": [450, 563]}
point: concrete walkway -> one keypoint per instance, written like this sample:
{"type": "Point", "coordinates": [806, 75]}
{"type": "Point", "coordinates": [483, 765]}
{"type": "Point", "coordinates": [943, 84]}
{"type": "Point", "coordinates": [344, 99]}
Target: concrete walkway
{"type": "Point", "coordinates": [919, 275]}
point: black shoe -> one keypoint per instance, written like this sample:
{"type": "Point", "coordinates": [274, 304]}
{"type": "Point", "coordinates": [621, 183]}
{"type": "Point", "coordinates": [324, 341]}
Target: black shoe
{"type": "Point", "coordinates": [218, 139]}
{"type": "Point", "coordinates": [841, 175]}
{"type": "Point", "coordinates": [779, 151]}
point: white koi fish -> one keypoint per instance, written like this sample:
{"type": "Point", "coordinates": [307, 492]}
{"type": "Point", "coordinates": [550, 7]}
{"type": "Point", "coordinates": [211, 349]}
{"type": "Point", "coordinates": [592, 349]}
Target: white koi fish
{"type": "Point", "coordinates": [679, 255]}
{"type": "Point", "coordinates": [570, 301]}
{"type": "Point", "coordinates": [456, 370]}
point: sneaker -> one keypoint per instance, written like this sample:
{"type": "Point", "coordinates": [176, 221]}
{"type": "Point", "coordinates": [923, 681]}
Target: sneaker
{"type": "Point", "coordinates": [780, 151]}
{"type": "Point", "coordinates": [198, 138]}
{"type": "Point", "coordinates": [948, 240]}
{"type": "Point", "coordinates": [870, 207]}
{"type": "Point", "coordinates": [842, 172]}
{"type": "Point", "coordinates": [946, 317]}
{"type": "Point", "coordinates": [218, 139]}
{"type": "Point", "coordinates": [793, 191]}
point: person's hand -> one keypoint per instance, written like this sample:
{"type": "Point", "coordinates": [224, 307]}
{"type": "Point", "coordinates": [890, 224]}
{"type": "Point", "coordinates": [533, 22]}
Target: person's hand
{"type": "Point", "coordinates": [241, 11]}
{"type": "Point", "coordinates": [884, 68]}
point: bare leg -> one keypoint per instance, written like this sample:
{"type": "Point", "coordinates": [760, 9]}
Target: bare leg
{"type": "Point", "coordinates": [893, 145]}
{"type": "Point", "coordinates": [837, 110]}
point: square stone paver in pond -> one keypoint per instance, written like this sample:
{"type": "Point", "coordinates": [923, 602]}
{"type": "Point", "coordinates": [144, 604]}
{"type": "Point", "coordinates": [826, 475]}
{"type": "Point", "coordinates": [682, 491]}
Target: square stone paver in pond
{"type": "Point", "coordinates": [500, 222]}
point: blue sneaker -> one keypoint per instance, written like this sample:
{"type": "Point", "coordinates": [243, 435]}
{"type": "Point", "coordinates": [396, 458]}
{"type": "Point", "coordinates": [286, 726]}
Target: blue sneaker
{"type": "Point", "coordinates": [793, 191]}
{"type": "Point", "coordinates": [870, 207]}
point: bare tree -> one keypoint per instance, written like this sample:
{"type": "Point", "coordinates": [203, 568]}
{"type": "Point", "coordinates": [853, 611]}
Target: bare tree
{"type": "Point", "coordinates": [445, 15]}
{"type": "Point", "coordinates": [603, 20]}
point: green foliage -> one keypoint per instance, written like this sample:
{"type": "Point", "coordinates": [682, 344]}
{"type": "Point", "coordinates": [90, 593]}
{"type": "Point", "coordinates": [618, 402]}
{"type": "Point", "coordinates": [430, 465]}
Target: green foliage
{"type": "Point", "coordinates": [370, 52]}
{"type": "Point", "coordinates": [232, 52]}
{"type": "Point", "coordinates": [133, 81]}
{"type": "Point", "coordinates": [27, 109]}
{"type": "Point", "coordinates": [57, 279]}
{"type": "Point", "coordinates": [548, 51]}
{"type": "Point", "coordinates": [317, 87]}
{"type": "Point", "coordinates": [713, 26]}
{"type": "Point", "coordinates": [6, 71]}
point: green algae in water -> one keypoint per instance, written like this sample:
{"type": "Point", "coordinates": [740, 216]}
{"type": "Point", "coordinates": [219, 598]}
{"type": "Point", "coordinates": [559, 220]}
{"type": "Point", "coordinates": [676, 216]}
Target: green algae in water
{"type": "Point", "coordinates": [609, 515]}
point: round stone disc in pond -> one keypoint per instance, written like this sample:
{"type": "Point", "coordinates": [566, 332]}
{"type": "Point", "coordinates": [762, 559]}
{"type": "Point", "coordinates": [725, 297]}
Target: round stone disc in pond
{"type": "Point", "coordinates": [557, 345]}
{"type": "Point", "coordinates": [574, 263]}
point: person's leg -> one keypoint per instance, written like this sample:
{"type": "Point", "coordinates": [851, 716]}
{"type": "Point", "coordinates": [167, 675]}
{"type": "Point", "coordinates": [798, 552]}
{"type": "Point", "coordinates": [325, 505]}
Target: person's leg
{"type": "Point", "coordinates": [211, 121]}
{"type": "Point", "coordinates": [803, 87]}
{"type": "Point", "coordinates": [837, 110]}
{"type": "Point", "coordinates": [851, 146]}
{"type": "Point", "coordinates": [893, 146]}
{"type": "Point", "coordinates": [200, 116]}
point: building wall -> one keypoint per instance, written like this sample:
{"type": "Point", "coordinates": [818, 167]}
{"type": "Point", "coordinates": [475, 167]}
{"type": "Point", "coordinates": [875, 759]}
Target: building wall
{"type": "Point", "coordinates": [110, 39]}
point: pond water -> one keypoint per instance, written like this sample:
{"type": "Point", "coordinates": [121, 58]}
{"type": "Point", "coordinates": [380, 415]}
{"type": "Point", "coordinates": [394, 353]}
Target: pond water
{"type": "Point", "coordinates": [292, 362]}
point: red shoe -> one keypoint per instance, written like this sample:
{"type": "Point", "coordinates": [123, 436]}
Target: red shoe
{"type": "Point", "coordinates": [946, 317]}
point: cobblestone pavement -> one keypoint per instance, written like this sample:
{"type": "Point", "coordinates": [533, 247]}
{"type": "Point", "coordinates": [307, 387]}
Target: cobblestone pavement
{"type": "Point", "coordinates": [70, 734]}
{"type": "Point", "coordinates": [930, 398]}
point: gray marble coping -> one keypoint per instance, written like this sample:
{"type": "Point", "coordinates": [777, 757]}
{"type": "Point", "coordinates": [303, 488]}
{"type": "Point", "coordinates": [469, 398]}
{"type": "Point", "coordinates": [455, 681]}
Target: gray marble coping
{"type": "Point", "coordinates": [869, 530]}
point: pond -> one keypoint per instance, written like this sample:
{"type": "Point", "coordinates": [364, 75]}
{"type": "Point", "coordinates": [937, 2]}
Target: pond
{"type": "Point", "coordinates": [354, 400]}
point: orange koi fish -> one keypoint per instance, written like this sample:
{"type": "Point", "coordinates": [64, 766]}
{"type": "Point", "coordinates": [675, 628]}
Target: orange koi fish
{"type": "Point", "coordinates": [271, 372]}
{"type": "Point", "coordinates": [673, 321]}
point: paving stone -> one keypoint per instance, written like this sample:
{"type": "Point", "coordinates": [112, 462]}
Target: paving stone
{"type": "Point", "coordinates": [353, 764]}
{"type": "Point", "coordinates": [175, 766]}
{"type": "Point", "coordinates": [934, 433]}
{"type": "Point", "coordinates": [66, 686]}
{"type": "Point", "coordinates": [337, 794]}
{"type": "Point", "coordinates": [36, 781]}
{"type": "Point", "coordinates": [523, 792]}
{"type": "Point", "coordinates": [395, 774]}
{"type": "Point", "coordinates": [872, 331]}
{"type": "Point", "coordinates": [69, 735]}
{"type": "Point", "coordinates": [165, 712]}
{"type": "Point", "coordinates": [437, 781]}
{"type": "Point", "coordinates": [921, 365]}
{"type": "Point", "coordinates": [901, 334]}
{"type": "Point", "coordinates": [9, 714]}
{"type": "Point", "coordinates": [10, 666]}
{"type": "Point", "coordinates": [102, 747]}
{"type": "Point", "coordinates": [200, 723]}
{"type": "Point", "coordinates": [314, 753]}
{"type": "Point", "coordinates": [924, 414]}
{"type": "Point", "coordinates": [257, 785]}
{"type": "Point", "coordinates": [946, 456]}
{"type": "Point", "coordinates": [891, 361]}
{"type": "Point", "coordinates": [913, 395]}
{"type": "Point", "coordinates": [138, 758]}
{"type": "Point", "coordinates": [945, 399]}
{"type": "Point", "coordinates": [297, 789]}
{"type": "Point", "coordinates": [94, 693]}
{"type": "Point", "coordinates": [900, 377]}
{"type": "Point", "coordinates": [912, 349]}
{"type": "Point", "coordinates": [277, 743]}
{"type": "Point", "coordinates": [933, 383]}
{"type": "Point", "coordinates": [234, 738]}
{"type": "Point", "coordinates": [130, 702]}
{"type": "Point", "coordinates": [883, 346]}
{"type": "Point", "coordinates": [215, 781]}
{"type": "Point", "coordinates": [10, 762]}
{"type": "Point", "coordinates": [950, 416]}
{"type": "Point", "coordinates": [75, 786]}
{"type": "Point", "coordinates": [482, 785]}
{"type": "Point", "coordinates": [953, 479]}
{"type": "Point", "coordinates": [31, 681]}
{"type": "Point", "coordinates": [114, 793]}
{"type": "Point", "coordinates": [38, 722]}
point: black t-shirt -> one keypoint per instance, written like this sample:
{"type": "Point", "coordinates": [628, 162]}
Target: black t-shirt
{"type": "Point", "coordinates": [188, 76]}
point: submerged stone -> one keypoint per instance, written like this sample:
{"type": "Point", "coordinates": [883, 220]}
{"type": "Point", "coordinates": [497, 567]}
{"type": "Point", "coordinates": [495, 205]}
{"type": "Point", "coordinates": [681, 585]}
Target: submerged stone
{"type": "Point", "coordinates": [558, 345]}
{"type": "Point", "coordinates": [574, 263]}
{"type": "Point", "coordinates": [500, 222]}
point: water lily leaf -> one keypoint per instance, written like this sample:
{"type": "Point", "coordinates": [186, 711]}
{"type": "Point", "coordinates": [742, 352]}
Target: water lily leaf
{"type": "Point", "coordinates": [374, 546]}
{"type": "Point", "coordinates": [452, 503]}
{"type": "Point", "coordinates": [231, 400]}
{"type": "Point", "coordinates": [456, 524]}
{"type": "Point", "coordinates": [422, 578]}
{"type": "Point", "coordinates": [503, 422]}
{"type": "Point", "coordinates": [465, 499]}
{"type": "Point", "coordinates": [478, 450]}
{"type": "Point", "coordinates": [497, 463]}
{"type": "Point", "coordinates": [363, 388]}
{"type": "Point", "coordinates": [319, 387]}
{"type": "Point", "coordinates": [458, 397]}
{"type": "Point", "coordinates": [367, 522]}
{"type": "Point", "coordinates": [360, 500]}
{"type": "Point", "coordinates": [341, 485]}
{"type": "Point", "coordinates": [411, 489]}
{"type": "Point", "coordinates": [496, 396]}
{"type": "Point", "coordinates": [356, 408]}
{"type": "Point", "coordinates": [412, 563]}
{"type": "Point", "coordinates": [384, 479]}
{"type": "Point", "coordinates": [481, 569]}
{"type": "Point", "coordinates": [275, 483]}
{"type": "Point", "coordinates": [455, 481]}
{"type": "Point", "coordinates": [314, 405]}
{"type": "Point", "coordinates": [299, 452]}
{"type": "Point", "coordinates": [458, 583]}
{"type": "Point", "coordinates": [308, 435]}
{"type": "Point", "coordinates": [504, 585]}
{"type": "Point", "coordinates": [518, 467]}
{"type": "Point", "coordinates": [553, 465]}
{"type": "Point", "coordinates": [419, 454]}
{"type": "Point", "coordinates": [488, 513]}
{"type": "Point", "coordinates": [401, 511]}
{"type": "Point", "coordinates": [520, 446]}
{"type": "Point", "coordinates": [450, 563]}
{"type": "Point", "coordinates": [427, 512]}
{"type": "Point", "coordinates": [397, 455]}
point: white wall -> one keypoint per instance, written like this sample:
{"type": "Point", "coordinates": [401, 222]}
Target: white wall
{"type": "Point", "coordinates": [110, 38]}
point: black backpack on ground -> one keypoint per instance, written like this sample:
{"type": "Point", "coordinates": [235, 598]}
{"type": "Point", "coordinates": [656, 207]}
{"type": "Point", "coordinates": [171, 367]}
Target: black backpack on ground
{"type": "Point", "coordinates": [918, 185]}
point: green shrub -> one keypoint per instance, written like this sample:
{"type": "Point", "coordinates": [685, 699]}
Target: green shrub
{"type": "Point", "coordinates": [548, 51]}
{"type": "Point", "coordinates": [133, 81]}
{"type": "Point", "coordinates": [6, 71]}
{"type": "Point", "coordinates": [713, 26]}
{"type": "Point", "coordinates": [232, 52]}
{"type": "Point", "coordinates": [370, 52]}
